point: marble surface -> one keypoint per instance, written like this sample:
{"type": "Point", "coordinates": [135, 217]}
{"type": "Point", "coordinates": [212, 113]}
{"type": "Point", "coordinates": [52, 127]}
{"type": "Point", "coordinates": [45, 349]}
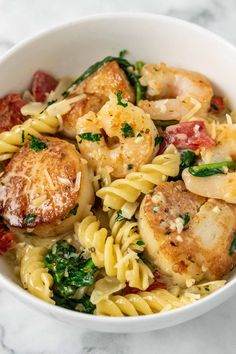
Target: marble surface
{"type": "Point", "coordinates": [25, 331]}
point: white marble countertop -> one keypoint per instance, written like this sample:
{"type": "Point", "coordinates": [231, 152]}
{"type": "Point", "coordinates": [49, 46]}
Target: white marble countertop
{"type": "Point", "coordinates": [25, 331]}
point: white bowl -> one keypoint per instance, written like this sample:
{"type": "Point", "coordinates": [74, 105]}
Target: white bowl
{"type": "Point", "coordinates": [70, 49]}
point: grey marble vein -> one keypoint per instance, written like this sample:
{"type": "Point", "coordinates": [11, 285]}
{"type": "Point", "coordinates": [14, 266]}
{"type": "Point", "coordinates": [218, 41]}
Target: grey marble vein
{"type": "Point", "coordinates": [6, 349]}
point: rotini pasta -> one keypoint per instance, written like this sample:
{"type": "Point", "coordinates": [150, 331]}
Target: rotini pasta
{"type": "Point", "coordinates": [33, 274]}
{"type": "Point", "coordinates": [143, 303]}
{"type": "Point", "coordinates": [125, 234]}
{"type": "Point", "coordinates": [149, 302]}
{"type": "Point", "coordinates": [105, 252]}
{"type": "Point", "coordinates": [143, 181]}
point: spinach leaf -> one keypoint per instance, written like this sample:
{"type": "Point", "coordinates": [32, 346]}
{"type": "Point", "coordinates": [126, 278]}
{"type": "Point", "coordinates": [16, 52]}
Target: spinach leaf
{"type": "Point", "coordinates": [69, 269]}
{"type": "Point", "coordinates": [165, 123]}
{"type": "Point", "coordinates": [187, 159]}
{"type": "Point", "coordinates": [83, 305]}
{"type": "Point", "coordinates": [211, 168]}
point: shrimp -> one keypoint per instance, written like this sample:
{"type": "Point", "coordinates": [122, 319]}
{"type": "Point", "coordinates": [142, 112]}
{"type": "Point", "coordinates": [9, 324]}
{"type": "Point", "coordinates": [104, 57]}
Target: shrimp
{"type": "Point", "coordinates": [187, 236]}
{"type": "Point", "coordinates": [225, 148]}
{"type": "Point", "coordinates": [176, 92]}
{"type": "Point", "coordinates": [219, 186]}
{"type": "Point", "coordinates": [121, 137]}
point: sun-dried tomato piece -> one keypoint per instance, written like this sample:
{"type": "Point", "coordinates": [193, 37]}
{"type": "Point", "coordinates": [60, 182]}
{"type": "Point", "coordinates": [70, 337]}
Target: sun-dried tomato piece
{"type": "Point", "coordinates": [188, 135]}
{"type": "Point", "coordinates": [7, 239]}
{"type": "Point", "coordinates": [10, 114]}
{"type": "Point", "coordinates": [42, 83]}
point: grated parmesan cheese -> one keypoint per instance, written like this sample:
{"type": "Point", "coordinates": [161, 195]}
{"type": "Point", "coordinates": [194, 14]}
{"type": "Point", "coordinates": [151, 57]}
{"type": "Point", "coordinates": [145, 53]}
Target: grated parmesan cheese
{"type": "Point", "coordinates": [65, 181]}
{"type": "Point", "coordinates": [179, 238]}
{"type": "Point", "coordinates": [216, 210]}
{"type": "Point", "coordinates": [77, 182]}
{"type": "Point", "coordinates": [190, 282]}
{"type": "Point", "coordinates": [229, 119]}
{"type": "Point", "coordinates": [197, 106]}
{"type": "Point", "coordinates": [49, 179]}
{"type": "Point", "coordinates": [159, 197]}
{"type": "Point", "coordinates": [38, 201]}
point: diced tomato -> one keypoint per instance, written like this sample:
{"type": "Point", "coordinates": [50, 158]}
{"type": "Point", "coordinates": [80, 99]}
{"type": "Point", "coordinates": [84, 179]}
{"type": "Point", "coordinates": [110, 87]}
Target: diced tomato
{"type": "Point", "coordinates": [42, 83]}
{"type": "Point", "coordinates": [217, 104]}
{"type": "Point", "coordinates": [10, 113]}
{"type": "Point", "coordinates": [188, 135]}
{"type": "Point", "coordinates": [7, 239]}
{"type": "Point", "coordinates": [157, 284]}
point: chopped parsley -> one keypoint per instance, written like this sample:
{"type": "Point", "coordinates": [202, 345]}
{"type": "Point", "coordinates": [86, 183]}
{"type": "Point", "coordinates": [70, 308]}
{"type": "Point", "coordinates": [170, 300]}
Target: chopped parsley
{"type": "Point", "coordinates": [155, 209]}
{"type": "Point", "coordinates": [232, 248]}
{"type": "Point", "coordinates": [72, 211]}
{"type": "Point", "coordinates": [130, 166]}
{"type": "Point", "coordinates": [90, 136]}
{"type": "Point", "coordinates": [29, 218]}
{"type": "Point", "coordinates": [123, 53]}
{"type": "Point", "coordinates": [159, 140]}
{"type": "Point", "coordinates": [49, 103]}
{"type": "Point", "coordinates": [23, 136]}
{"type": "Point", "coordinates": [185, 217]}
{"type": "Point", "coordinates": [120, 217]}
{"type": "Point", "coordinates": [36, 144]}
{"type": "Point", "coordinates": [119, 99]}
{"type": "Point", "coordinates": [140, 243]}
{"type": "Point", "coordinates": [127, 130]}
{"type": "Point", "coordinates": [206, 288]}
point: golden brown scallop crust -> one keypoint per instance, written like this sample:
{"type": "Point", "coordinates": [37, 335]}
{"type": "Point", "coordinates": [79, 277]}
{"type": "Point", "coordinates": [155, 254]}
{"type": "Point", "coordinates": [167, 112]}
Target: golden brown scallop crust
{"type": "Point", "coordinates": [91, 102]}
{"type": "Point", "coordinates": [110, 78]}
{"type": "Point", "coordinates": [47, 184]}
{"type": "Point", "coordinates": [201, 249]}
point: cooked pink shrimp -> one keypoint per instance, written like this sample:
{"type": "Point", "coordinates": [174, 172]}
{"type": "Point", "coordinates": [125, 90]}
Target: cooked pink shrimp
{"type": "Point", "coordinates": [118, 137]}
{"type": "Point", "coordinates": [175, 92]}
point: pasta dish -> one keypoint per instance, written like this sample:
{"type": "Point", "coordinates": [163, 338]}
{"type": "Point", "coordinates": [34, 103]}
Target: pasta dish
{"type": "Point", "coordinates": [118, 188]}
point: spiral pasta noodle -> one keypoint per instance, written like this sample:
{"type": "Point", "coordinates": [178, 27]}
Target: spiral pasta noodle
{"type": "Point", "coordinates": [128, 189]}
{"type": "Point", "coordinates": [150, 302]}
{"type": "Point", "coordinates": [143, 303]}
{"type": "Point", "coordinates": [125, 233]}
{"type": "Point", "coordinates": [126, 266]}
{"type": "Point", "coordinates": [33, 274]}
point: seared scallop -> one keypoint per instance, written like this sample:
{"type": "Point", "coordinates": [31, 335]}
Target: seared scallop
{"type": "Point", "coordinates": [45, 188]}
{"type": "Point", "coordinates": [110, 78]}
{"type": "Point", "coordinates": [90, 102]}
{"type": "Point", "coordinates": [187, 236]}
